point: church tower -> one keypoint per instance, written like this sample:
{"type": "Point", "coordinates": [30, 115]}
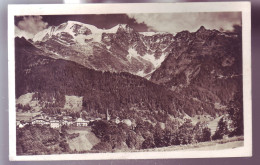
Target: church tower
{"type": "Point", "coordinates": [107, 116]}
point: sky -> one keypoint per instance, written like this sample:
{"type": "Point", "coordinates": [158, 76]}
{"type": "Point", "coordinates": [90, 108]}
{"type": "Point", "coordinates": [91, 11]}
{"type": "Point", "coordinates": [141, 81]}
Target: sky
{"type": "Point", "coordinates": [28, 26]}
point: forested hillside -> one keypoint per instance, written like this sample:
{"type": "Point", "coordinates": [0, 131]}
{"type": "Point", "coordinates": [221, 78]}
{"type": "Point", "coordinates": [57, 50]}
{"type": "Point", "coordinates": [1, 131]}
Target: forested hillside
{"type": "Point", "coordinates": [120, 93]}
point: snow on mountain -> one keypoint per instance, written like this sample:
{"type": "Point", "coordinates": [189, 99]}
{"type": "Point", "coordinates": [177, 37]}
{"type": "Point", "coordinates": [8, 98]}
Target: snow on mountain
{"type": "Point", "coordinates": [115, 28]}
{"type": "Point", "coordinates": [40, 35]}
{"type": "Point", "coordinates": [153, 60]}
{"type": "Point", "coordinates": [155, 33]}
{"type": "Point", "coordinates": [79, 31]}
{"type": "Point", "coordinates": [121, 48]}
{"type": "Point", "coordinates": [73, 28]}
{"type": "Point", "coordinates": [147, 33]}
{"type": "Point", "coordinates": [148, 57]}
{"type": "Point", "coordinates": [141, 73]}
{"type": "Point", "coordinates": [132, 53]}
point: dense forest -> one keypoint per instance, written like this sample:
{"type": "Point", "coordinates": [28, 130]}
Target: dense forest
{"type": "Point", "coordinates": [117, 92]}
{"type": "Point", "coordinates": [39, 140]}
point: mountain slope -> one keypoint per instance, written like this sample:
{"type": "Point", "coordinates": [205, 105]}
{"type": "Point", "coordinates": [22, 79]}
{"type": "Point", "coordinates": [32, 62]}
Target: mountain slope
{"type": "Point", "coordinates": [119, 49]}
{"type": "Point", "coordinates": [205, 65]}
{"type": "Point", "coordinates": [192, 73]}
{"type": "Point", "coordinates": [122, 94]}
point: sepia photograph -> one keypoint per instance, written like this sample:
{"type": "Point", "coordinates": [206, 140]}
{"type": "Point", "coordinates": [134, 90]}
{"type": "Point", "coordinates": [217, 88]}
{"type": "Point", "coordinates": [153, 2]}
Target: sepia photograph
{"type": "Point", "coordinates": [116, 83]}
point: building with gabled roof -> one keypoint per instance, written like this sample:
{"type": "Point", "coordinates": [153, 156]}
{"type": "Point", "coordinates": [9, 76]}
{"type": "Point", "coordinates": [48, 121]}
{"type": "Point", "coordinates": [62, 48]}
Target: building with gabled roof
{"type": "Point", "coordinates": [40, 121]}
{"type": "Point", "coordinates": [81, 122]}
{"type": "Point", "coordinates": [54, 123]}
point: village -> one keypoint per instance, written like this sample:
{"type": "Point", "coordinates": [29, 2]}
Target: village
{"type": "Point", "coordinates": [59, 121]}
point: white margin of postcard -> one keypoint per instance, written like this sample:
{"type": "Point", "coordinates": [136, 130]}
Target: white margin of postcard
{"type": "Point", "coordinates": [65, 9]}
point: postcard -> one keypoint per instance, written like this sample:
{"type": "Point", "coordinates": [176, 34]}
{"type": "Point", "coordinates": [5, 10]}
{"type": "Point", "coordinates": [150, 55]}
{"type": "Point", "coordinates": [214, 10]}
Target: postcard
{"type": "Point", "coordinates": [129, 81]}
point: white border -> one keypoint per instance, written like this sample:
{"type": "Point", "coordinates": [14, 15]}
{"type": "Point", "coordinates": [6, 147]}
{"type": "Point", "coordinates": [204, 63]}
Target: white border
{"type": "Point", "coordinates": [61, 9]}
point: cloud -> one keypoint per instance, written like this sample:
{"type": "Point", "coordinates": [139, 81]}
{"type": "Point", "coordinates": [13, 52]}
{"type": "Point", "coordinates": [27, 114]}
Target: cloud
{"type": "Point", "coordinates": [21, 33]}
{"type": "Point", "coordinates": [28, 26]}
{"type": "Point", "coordinates": [176, 22]}
{"type": "Point", "coordinates": [101, 21]}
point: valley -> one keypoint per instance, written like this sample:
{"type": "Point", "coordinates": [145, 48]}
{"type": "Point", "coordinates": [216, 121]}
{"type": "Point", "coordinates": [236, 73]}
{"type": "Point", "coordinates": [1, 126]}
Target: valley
{"type": "Point", "coordinates": [117, 89]}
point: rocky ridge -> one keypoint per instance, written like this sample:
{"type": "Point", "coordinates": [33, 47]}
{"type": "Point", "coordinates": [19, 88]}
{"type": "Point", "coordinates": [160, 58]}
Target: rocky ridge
{"type": "Point", "coordinates": [119, 49]}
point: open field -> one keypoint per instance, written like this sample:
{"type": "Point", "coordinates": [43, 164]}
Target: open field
{"type": "Point", "coordinates": [214, 124]}
{"type": "Point", "coordinates": [85, 141]}
{"type": "Point", "coordinates": [26, 115]}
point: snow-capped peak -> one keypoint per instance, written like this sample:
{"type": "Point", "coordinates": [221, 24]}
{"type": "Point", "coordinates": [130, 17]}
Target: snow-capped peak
{"type": "Point", "coordinates": [40, 35]}
{"type": "Point", "coordinates": [117, 27]}
{"type": "Point", "coordinates": [155, 33]}
{"type": "Point", "coordinates": [90, 27]}
{"type": "Point", "coordinates": [75, 28]}
{"type": "Point", "coordinates": [70, 27]}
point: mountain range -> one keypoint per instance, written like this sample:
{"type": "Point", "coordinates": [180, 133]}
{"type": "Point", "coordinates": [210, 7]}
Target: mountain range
{"type": "Point", "coordinates": [123, 70]}
{"type": "Point", "coordinates": [119, 49]}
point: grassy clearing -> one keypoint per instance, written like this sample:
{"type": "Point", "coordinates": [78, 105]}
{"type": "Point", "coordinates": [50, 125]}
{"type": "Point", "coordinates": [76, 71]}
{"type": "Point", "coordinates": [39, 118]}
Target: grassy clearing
{"type": "Point", "coordinates": [26, 115]}
{"type": "Point", "coordinates": [75, 129]}
{"type": "Point", "coordinates": [85, 141]}
{"type": "Point", "coordinates": [214, 124]}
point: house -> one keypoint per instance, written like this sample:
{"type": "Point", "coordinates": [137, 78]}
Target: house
{"type": "Point", "coordinates": [21, 125]}
{"type": "Point", "coordinates": [54, 123]}
{"type": "Point", "coordinates": [91, 120]}
{"type": "Point", "coordinates": [81, 122]}
{"type": "Point", "coordinates": [40, 122]}
{"type": "Point", "coordinates": [67, 117]}
{"type": "Point", "coordinates": [18, 122]}
{"type": "Point", "coordinates": [127, 122]}
{"type": "Point", "coordinates": [67, 122]}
